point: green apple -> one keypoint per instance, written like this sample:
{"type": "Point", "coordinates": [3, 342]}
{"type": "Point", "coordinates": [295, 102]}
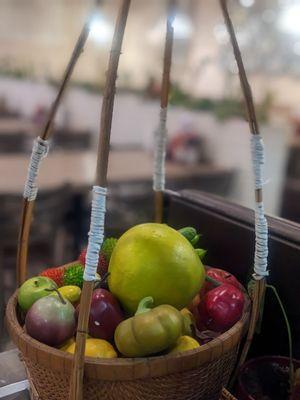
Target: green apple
{"type": "Point", "coordinates": [34, 289]}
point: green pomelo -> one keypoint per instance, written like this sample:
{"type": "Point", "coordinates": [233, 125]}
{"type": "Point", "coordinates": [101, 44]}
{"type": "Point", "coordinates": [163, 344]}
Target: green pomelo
{"type": "Point", "coordinates": [154, 260]}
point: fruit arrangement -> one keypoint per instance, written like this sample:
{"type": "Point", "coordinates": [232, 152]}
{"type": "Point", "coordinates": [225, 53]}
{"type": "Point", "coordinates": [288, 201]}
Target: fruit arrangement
{"type": "Point", "coordinates": [158, 299]}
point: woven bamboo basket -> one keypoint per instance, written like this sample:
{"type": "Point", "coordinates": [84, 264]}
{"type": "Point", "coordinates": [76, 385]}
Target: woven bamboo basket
{"type": "Point", "coordinates": [198, 374]}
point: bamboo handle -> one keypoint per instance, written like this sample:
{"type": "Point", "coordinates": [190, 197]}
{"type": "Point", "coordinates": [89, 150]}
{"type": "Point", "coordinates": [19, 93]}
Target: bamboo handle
{"type": "Point", "coordinates": [22, 252]}
{"type": "Point", "coordinates": [78, 49]}
{"type": "Point", "coordinates": [259, 286]}
{"type": "Point", "coordinates": [165, 86]}
{"type": "Point", "coordinates": [165, 89]}
{"type": "Point", "coordinates": [159, 205]}
{"type": "Point", "coordinates": [76, 384]}
{"type": "Point", "coordinates": [28, 206]}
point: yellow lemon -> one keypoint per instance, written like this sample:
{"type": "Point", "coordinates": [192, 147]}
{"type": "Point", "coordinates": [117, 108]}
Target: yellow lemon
{"type": "Point", "coordinates": [154, 260]}
{"type": "Point", "coordinates": [184, 343]}
{"type": "Point", "coordinates": [96, 348]}
{"type": "Point", "coordinates": [70, 292]}
{"type": "Point", "coordinates": [67, 344]}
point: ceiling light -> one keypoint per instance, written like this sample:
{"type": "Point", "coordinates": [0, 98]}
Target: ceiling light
{"type": "Point", "coordinates": [247, 3]}
{"type": "Point", "coordinates": [289, 21]}
{"type": "Point", "coordinates": [182, 27]}
{"type": "Point", "coordinates": [100, 30]}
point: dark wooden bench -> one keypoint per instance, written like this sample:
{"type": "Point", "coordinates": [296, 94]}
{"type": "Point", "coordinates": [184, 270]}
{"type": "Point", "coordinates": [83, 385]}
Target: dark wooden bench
{"type": "Point", "coordinates": [228, 235]}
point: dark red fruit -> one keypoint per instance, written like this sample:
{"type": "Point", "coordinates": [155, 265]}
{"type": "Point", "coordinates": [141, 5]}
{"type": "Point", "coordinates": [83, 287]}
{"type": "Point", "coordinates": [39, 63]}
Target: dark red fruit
{"type": "Point", "coordinates": [220, 308]}
{"type": "Point", "coordinates": [220, 276]}
{"type": "Point", "coordinates": [51, 320]}
{"type": "Point", "coordinates": [105, 315]}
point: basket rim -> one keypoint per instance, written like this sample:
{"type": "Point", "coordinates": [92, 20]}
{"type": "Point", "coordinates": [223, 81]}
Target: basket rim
{"type": "Point", "coordinates": [124, 368]}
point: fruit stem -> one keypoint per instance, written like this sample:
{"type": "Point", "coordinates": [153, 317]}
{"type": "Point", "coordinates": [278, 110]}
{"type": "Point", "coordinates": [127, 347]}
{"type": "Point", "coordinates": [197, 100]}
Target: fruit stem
{"type": "Point", "coordinates": [212, 280]}
{"type": "Point", "coordinates": [190, 234]}
{"type": "Point", "coordinates": [195, 240]}
{"type": "Point", "coordinates": [102, 280]}
{"type": "Point", "coordinates": [145, 305]}
{"type": "Point", "coordinates": [58, 294]}
{"type": "Point", "coordinates": [104, 277]}
{"type": "Point", "coordinates": [201, 253]}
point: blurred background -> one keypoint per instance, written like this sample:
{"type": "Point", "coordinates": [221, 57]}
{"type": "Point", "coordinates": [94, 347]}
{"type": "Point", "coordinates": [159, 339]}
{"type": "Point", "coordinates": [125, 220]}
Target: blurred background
{"type": "Point", "coordinates": [208, 138]}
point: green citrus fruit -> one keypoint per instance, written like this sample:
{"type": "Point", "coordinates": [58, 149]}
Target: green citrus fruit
{"type": "Point", "coordinates": [154, 260]}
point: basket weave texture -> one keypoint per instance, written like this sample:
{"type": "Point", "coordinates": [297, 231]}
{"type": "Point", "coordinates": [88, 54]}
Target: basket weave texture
{"type": "Point", "coordinates": [196, 384]}
{"type": "Point", "coordinates": [194, 375]}
{"type": "Point", "coordinates": [225, 395]}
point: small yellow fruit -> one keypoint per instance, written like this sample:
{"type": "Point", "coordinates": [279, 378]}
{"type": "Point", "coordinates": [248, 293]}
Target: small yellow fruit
{"type": "Point", "coordinates": [184, 343]}
{"type": "Point", "coordinates": [70, 292]}
{"type": "Point", "coordinates": [188, 321]}
{"type": "Point", "coordinates": [96, 348]}
{"type": "Point", "coordinates": [67, 344]}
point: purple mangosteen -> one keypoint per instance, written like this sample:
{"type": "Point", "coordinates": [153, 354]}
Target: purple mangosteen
{"type": "Point", "coordinates": [51, 320]}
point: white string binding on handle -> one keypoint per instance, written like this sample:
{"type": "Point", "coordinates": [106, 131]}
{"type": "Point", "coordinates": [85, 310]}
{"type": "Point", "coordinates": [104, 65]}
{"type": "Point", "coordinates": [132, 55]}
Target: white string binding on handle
{"type": "Point", "coordinates": [39, 151]}
{"type": "Point", "coordinates": [261, 224]}
{"type": "Point", "coordinates": [96, 233]}
{"type": "Point", "coordinates": [160, 152]}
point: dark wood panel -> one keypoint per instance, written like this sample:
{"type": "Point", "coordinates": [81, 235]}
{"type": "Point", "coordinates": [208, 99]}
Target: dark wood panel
{"type": "Point", "coordinates": [228, 235]}
{"type": "Point", "coordinates": [290, 202]}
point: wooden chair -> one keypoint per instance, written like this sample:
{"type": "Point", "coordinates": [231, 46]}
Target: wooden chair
{"type": "Point", "coordinates": [68, 140]}
{"type": "Point", "coordinates": [290, 201]}
{"type": "Point", "coordinates": [48, 233]}
{"type": "Point", "coordinates": [293, 162]}
{"type": "Point", "coordinates": [14, 143]}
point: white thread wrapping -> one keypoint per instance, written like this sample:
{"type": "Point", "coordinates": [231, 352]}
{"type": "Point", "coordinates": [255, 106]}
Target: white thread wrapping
{"type": "Point", "coordinates": [96, 233]}
{"type": "Point", "coordinates": [160, 152]}
{"type": "Point", "coordinates": [39, 151]}
{"type": "Point", "coordinates": [261, 224]}
{"type": "Point", "coordinates": [258, 159]}
{"type": "Point", "coordinates": [261, 243]}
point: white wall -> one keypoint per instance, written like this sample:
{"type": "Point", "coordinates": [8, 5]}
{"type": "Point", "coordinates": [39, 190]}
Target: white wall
{"type": "Point", "coordinates": [135, 120]}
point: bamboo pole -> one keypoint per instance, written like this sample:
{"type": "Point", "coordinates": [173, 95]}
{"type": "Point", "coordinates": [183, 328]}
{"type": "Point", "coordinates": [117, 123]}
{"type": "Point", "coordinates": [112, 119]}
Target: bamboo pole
{"type": "Point", "coordinates": [165, 89]}
{"type": "Point", "coordinates": [28, 206]}
{"type": "Point", "coordinates": [76, 384]}
{"type": "Point", "coordinates": [259, 285]}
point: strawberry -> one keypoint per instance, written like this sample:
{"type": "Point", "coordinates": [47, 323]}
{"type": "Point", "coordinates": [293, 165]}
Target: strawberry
{"type": "Point", "coordinates": [102, 265]}
{"type": "Point", "coordinates": [102, 262]}
{"type": "Point", "coordinates": [55, 273]}
{"type": "Point", "coordinates": [82, 256]}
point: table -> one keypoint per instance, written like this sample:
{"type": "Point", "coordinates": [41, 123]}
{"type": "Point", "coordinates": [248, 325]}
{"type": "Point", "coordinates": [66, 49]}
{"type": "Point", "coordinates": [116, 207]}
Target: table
{"type": "Point", "coordinates": [17, 125]}
{"type": "Point", "coordinates": [78, 169]}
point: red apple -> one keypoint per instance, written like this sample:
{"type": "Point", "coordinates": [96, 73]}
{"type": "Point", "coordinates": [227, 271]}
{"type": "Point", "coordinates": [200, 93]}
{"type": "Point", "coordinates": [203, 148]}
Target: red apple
{"type": "Point", "coordinates": [220, 308]}
{"type": "Point", "coordinates": [221, 276]}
